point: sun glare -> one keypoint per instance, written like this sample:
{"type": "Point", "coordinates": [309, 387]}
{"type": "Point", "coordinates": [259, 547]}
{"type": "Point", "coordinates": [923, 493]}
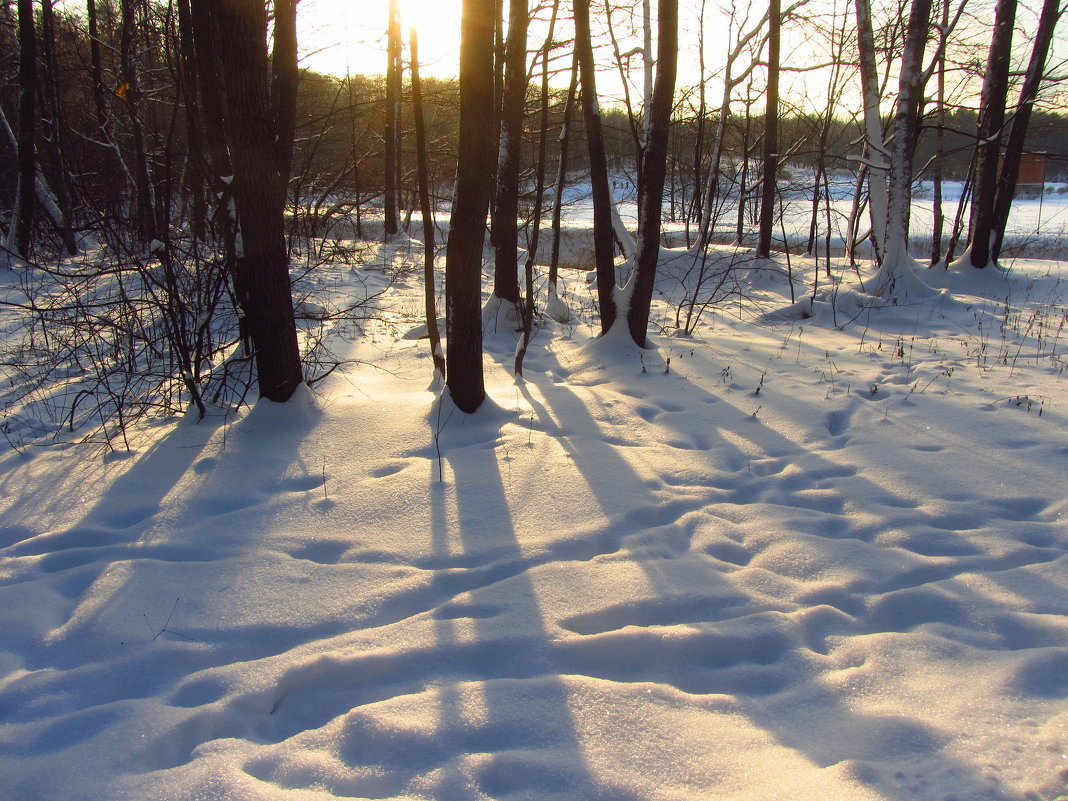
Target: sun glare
{"type": "Point", "coordinates": [340, 36]}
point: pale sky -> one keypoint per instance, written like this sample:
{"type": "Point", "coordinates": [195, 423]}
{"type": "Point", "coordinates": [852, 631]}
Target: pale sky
{"type": "Point", "coordinates": [340, 35]}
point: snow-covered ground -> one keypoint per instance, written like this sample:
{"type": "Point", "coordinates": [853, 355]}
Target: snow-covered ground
{"type": "Point", "coordinates": [773, 559]}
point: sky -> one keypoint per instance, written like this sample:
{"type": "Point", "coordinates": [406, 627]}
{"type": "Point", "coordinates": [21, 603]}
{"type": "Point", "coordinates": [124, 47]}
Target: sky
{"type": "Point", "coordinates": [339, 36]}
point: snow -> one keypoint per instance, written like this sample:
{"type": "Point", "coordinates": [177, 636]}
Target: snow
{"type": "Point", "coordinates": [773, 559]}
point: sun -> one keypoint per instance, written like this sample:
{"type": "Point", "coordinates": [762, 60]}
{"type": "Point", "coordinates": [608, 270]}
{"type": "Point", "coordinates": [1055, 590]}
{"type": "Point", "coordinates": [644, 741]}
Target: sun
{"type": "Point", "coordinates": [343, 36]}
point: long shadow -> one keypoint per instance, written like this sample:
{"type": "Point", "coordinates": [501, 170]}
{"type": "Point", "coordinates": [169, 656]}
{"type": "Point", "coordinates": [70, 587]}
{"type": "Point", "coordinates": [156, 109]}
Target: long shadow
{"type": "Point", "coordinates": [770, 698]}
{"type": "Point", "coordinates": [108, 647]}
{"type": "Point", "coordinates": [114, 526]}
{"type": "Point", "coordinates": [524, 725]}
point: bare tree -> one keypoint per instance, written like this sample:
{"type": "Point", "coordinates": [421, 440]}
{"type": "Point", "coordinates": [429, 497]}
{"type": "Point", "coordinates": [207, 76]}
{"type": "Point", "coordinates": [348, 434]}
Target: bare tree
{"type": "Point", "coordinates": [602, 201]}
{"type": "Point", "coordinates": [655, 170]}
{"type": "Point", "coordinates": [896, 276]}
{"type": "Point", "coordinates": [771, 133]}
{"type": "Point", "coordinates": [262, 261]}
{"type": "Point", "coordinates": [991, 122]}
{"type": "Point", "coordinates": [422, 171]}
{"type": "Point", "coordinates": [20, 235]}
{"type": "Point", "coordinates": [504, 232]}
{"type": "Point", "coordinates": [1021, 119]}
{"type": "Point", "coordinates": [463, 254]}
{"type": "Point", "coordinates": [392, 132]}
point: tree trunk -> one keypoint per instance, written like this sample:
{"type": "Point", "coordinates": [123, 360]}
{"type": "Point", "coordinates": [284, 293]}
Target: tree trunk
{"type": "Point", "coordinates": [655, 171]}
{"type": "Point", "coordinates": [114, 173]}
{"type": "Point", "coordinates": [20, 237]}
{"type": "Point", "coordinates": [539, 191]}
{"type": "Point", "coordinates": [392, 133]}
{"type": "Point", "coordinates": [875, 154]}
{"type": "Point", "coordinates": [144, 205]}
{"type": "Point", "coordinates": [561, 176]}
{"type": "Point", "coordinates": [423, 171]}
{"type": "Point", "coordinates": [55, 129]}
{"type": "Point", "coordinates": [991, 122]}
{"type": "Point", "coordinates": [897, 276]}
{"type": "Point", "coordinates": [939, 221]}
{"type": "Point", "coordinates": [1036, 67]}
{"type": "Point", "coordinates": [463, 255]}
{"type": "Point", "coordinates": [504, 232]}
{"type": "Point", "coordinates": [602, 201]}
{"type": "Point", "coordinates": [284, 80]}
{"type": "Point", "coordinates": [771, 134]}
{"type": "Point", "coordinates": [263, 258]}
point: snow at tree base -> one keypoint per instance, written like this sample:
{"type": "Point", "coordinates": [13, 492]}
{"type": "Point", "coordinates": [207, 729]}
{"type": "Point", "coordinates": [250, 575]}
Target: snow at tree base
{"type": "Point", "coordinates": [818, 557]}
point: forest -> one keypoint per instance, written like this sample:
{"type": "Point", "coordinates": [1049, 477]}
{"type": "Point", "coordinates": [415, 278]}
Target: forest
{"type": "Point", "coordinates": [126, 129]}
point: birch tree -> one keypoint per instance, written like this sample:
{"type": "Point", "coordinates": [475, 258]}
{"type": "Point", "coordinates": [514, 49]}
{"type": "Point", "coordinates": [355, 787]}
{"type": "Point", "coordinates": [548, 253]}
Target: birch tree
{"type": "Point", "coordinates": [897, 278]}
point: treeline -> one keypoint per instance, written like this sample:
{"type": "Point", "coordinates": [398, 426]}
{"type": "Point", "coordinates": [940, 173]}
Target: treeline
{"type": "Point", "coordinates": [181, 138]}
{"type": "Point", "coordinates": [89, 114]}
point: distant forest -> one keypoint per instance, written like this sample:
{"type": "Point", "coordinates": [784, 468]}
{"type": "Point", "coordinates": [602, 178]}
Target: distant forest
{"type": "Point", "coordinates": [104, 109]}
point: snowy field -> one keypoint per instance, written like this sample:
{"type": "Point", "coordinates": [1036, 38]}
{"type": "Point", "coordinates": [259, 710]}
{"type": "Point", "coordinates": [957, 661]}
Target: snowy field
{"type": "Point", "coordinates": [808, 558]}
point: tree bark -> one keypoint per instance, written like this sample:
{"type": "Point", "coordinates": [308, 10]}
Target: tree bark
{"type": "Point", "coordinates": [897, 276]}
{"type": "Point", "coordinates": [20, 237]}
{"type": "Point", "coordinates": [602, 201]}
{"type": "Point", "coordinates": [144, 211]}
{"type": "Point", "coordinates": [393, 92]}
{"type": "Point", "coordinates": [463, 255]}
{"type": "Point", "coordinates": [1014, 147]}
{"type": "Point", "coordinates": [991, 122]}
{"type": "Point", "coordinates": [875, 154]}
{"type": "Point", "coordinates": [55, 129]}
{"type": "Point", "coordinates": [113, 170]}
{"type": "Point", "coordinates": [655, 172]}
{"type": "Point", "coordinates": [284, 79]}
{"type": "Point", "coordinates": [504, 231]}
{"type": "Point", "coordinates": [771, 134]}
{"type": "Point", "coordinates": [423, 171]}
{"type": "Point", "coordinates": [561, 176]}
{"type": "Point", "coordinates": [262, 259]}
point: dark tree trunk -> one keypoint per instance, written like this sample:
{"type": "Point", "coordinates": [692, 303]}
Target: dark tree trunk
{"type": "Point", "coordinates": [991, 122]}
{"type": "Point", "coordinates": [143, 206]}
{"type": "Point", "coordinates": [112, 169]}
{"type": "Point", "coordinates": [197, 178]}
{"type": "Point", "coordinates": [938, 171]}
{"type": "Point", "coordinates": [561, 175]}
{"type": "Point", "coordinates": [263, 260]}
{"type": "Point", "coordinates": [467, 229]}
{"type": "Point", "coordinates": [284, 79]}
{"type": "Point", "coordinates": [208, 68]}
{"type": "Point", "coordinates": [20, 238]}
{"type": "Point", "coordinates": [602, 212]}
{"type": "Point", "coordinates": [539, 191]}
{"type": "Point", "coordinates": [55, 129]}
{"type": "Point", "coordinates": [423, 171]}
{"type": "Point", "coordinates": [655, 159]}
{"type": "Point", "coordinates": [771, 134]}
{"type": "Point", "coordinates": [393, 92]}
{"type": "Point", "coordinates": [504, 231]}
{"type": "Point", "coordinates": [1047, 22]}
